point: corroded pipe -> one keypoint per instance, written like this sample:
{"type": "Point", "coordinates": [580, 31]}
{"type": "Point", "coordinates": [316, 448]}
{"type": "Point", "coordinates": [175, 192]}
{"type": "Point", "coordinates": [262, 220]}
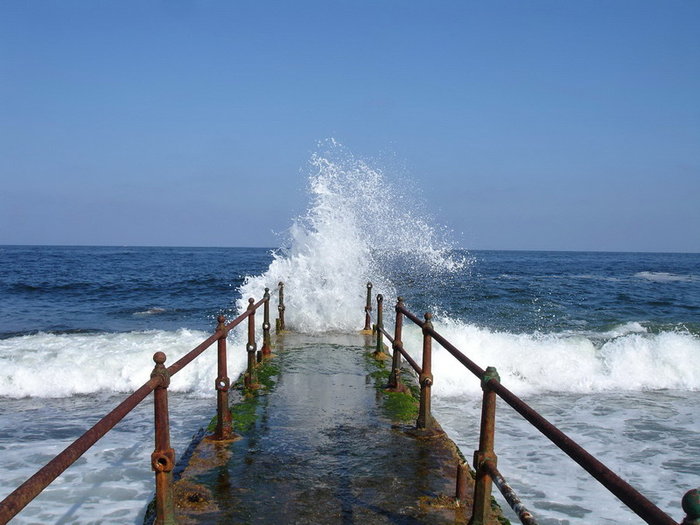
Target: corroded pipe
{"type": "Point", "coordinates": [223, 430]}
{"type": "Point", "coordinates": [395, 376]}
{"type": "Point", "coordinates": [379, 350]}
{"type": "Point", "coordinates": [163, 457]}
{"type": "Point", "coordinates": [525, 516]}
{"type": "Point", "coordinates": [280, 308]}
{"type": "Point", "coordinates": [482, 486]}
{"type": "Point", "coordinates": [425, 419]}
{"type": "Point", "coordinates": [368, 308]}
{"type": "Point", "coordinates": [250, 378]}
{"type": "Point", "coordinates": [267, 347]}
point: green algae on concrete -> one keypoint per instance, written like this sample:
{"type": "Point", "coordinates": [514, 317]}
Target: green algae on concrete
{"type": "Point", "coordinates": [322, 448]}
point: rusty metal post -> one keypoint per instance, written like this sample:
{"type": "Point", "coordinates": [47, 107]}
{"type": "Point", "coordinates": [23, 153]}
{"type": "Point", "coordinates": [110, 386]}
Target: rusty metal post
{"type": "Point", "coordinates": [368, 309]}
{"type": "Point", "coordinates": [163, 457]}
{"type": "Point", "coordinates": [279, 325]}
{"type": "Point", "coordinates": [224, 429]}
{"type": "Point", "coordinates": [267, 347]}
{"type": "Point", "coordinates": [395, 376]}
{"type": "Point", "coordinates": [462, 477]}
{"type": "Point", "coordinates": [379, 350]}
{"type": "Point", "coordinates": [425, 419]}
{"type": "Point", "coordinates": [483, 483]}
{"type": "Point", "coordinates": [250, 378]}
{"type": "Point", "coordinates": [691, 506]}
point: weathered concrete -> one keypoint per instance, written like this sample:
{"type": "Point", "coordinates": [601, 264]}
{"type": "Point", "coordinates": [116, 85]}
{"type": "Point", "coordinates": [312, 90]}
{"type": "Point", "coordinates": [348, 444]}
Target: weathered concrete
{"type": "Point", "coordinates": [320, 447]}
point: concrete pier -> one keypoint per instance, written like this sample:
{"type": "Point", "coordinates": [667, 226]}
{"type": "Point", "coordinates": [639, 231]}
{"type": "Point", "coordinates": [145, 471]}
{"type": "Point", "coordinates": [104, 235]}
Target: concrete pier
{"type": "Point", "coordinates": [321, 444]}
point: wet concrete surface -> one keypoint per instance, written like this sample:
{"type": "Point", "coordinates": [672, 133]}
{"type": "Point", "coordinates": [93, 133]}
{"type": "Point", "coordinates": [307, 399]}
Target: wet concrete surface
{"type": "Point", "coordinates": [321, 449]}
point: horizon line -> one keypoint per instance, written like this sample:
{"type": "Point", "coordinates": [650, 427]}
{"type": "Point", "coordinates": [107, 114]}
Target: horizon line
{"type": "Point", "coordinates": [549, 250]}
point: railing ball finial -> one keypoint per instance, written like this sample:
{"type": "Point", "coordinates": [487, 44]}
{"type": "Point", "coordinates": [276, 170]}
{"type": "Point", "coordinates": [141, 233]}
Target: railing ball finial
{"type": "Point", "coordinates": [251, 303]}
{"type": "Point", "coordinates": [691, 506]}
{"type": "Point", "coordinates": [489, 374]}
{"type": "Point", "coordinates": [159, 358]}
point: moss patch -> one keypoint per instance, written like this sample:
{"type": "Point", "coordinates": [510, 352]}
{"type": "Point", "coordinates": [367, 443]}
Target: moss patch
{"type": "Point", "coordinates": [244, 413]}
{"type": "Point", "coordinates": [401, 406]}
{"type": "Point", "coordinates": [398, 406]}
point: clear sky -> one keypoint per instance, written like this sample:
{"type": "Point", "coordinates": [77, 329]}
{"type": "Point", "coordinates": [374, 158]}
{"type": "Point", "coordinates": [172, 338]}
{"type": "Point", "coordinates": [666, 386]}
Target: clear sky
{"type": "Point", "coordinates": [562, 125]}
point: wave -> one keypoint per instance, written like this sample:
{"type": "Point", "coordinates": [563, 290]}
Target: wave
{"type": "Point", "coordinates": [627, 358]}
{"type": "Point", "coordinates": [665, 277]}
{"type": "Point", "coordinates": [63, 365]}
{"type": "Point", "coordinates": [150, 311]}
{"type": "Point", "coordinates": [355, 221]}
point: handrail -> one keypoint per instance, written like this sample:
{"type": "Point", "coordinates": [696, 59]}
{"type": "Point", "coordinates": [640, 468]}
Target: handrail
{"type": "Point", "coordinates": [485, 458]}
{"type": "Point", "coordinates": [30, 489]}
{"type": "Point", "coordinates": [399, 346]}
{"type": "Point", "coordinates": [163, 457]}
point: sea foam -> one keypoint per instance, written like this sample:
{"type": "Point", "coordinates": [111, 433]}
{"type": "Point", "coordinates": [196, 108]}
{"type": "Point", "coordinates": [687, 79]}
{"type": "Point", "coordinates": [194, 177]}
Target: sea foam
{"type": "Point", "coordinates": [111, 362]}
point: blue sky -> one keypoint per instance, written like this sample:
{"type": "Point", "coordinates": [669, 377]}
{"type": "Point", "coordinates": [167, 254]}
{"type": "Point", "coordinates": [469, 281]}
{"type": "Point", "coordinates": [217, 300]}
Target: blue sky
{"type": "Point", "coordinates": [528, 125]}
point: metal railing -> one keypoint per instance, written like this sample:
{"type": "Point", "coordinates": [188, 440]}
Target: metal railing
{"type": "Point", "coordinates": [163, 457]}
{"type": "Point", "coordinates": [485, 459]}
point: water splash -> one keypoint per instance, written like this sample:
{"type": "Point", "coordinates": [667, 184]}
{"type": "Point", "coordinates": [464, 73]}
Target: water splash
{"type": "Point", "coordinates": [358, 225]}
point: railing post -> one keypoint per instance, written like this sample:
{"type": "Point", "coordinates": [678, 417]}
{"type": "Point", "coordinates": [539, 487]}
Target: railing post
{"type": "Point", "coordinates": [163, 457]}
{"type": "Point", "coordinates": [379, 350]}
{"type": "Point", "coordinates": [425, 419]}
{"type": "Point", "coordinates": [691, 506]}
{"type": "Point", "coordinates": [395, 376]}
{"type": "Point", "coordinates": [483, 483]}
{"type": "Point", "coordinates": [266, 348]}
{"type": "Point", "coordinates": [224, 431]}
{"type": "Point", "coordinates": [368, 309]}
{"type": "Point", "coordinates": [461, 485]}
{"type": "Point", "coordinates": [279, 325]}
{"type": "Point", "coordinates": [250, 378]}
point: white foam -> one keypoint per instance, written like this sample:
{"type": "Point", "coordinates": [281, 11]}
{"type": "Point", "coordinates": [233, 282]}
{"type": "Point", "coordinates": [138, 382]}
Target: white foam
{"type": "Point", "coordinates": [664, 277]}
{"type": "Point", "coordinates": [629, 359]}
{"type": "Point", "coordinates": [62, 365]}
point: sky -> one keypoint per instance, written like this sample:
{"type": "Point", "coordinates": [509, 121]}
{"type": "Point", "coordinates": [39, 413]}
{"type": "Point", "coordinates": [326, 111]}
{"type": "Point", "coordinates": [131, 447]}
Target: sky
{"type": "Point", "coordinates": [542, 125]}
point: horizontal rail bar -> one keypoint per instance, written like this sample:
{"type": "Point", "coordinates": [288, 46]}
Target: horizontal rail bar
{"type": "Point", "coordinates": [415, 319]}
{"type": "Point", "coordinates": [471, 365]}
{"type": "Point", "coordinates": [195, 352]}
{"type": "Point", "coordinates": [30, 489]}
{"type": "Point", "coordinates": [386, 334]}
{"type": "Point", "coordinates": [525, 516]}
{"type": "Point", "coordinates": [626, 493]}
{"type": "Point", "coordinates": [403, 352]}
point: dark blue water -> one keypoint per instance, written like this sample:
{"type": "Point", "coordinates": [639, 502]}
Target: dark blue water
{"type": "Point", "coordinates": [98, 289]}
{"type": "Point", "coordinates": [558, 291]}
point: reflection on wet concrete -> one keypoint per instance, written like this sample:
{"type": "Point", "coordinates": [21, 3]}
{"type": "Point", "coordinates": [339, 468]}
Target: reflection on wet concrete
{"type": "Point", "coordinates": [321, 450]}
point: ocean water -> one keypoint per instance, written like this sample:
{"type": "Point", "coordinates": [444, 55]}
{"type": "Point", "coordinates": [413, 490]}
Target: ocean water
{"type": "Point", "coordinates": [604, 345]}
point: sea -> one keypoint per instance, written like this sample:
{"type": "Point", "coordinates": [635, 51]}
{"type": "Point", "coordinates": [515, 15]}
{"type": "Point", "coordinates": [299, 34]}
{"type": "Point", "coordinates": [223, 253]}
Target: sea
{"type": "Point", "coordinates": [604, 345]}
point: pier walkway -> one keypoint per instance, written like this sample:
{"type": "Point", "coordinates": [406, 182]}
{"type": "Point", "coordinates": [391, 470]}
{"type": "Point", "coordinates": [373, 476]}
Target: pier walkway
{"type": "Point", "coordinates": [321, 443]}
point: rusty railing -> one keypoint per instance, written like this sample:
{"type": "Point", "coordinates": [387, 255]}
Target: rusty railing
{"type": "Point", "coordinates": [485, 459]}
{"type": "Point", "coordinates": [163, 457]}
